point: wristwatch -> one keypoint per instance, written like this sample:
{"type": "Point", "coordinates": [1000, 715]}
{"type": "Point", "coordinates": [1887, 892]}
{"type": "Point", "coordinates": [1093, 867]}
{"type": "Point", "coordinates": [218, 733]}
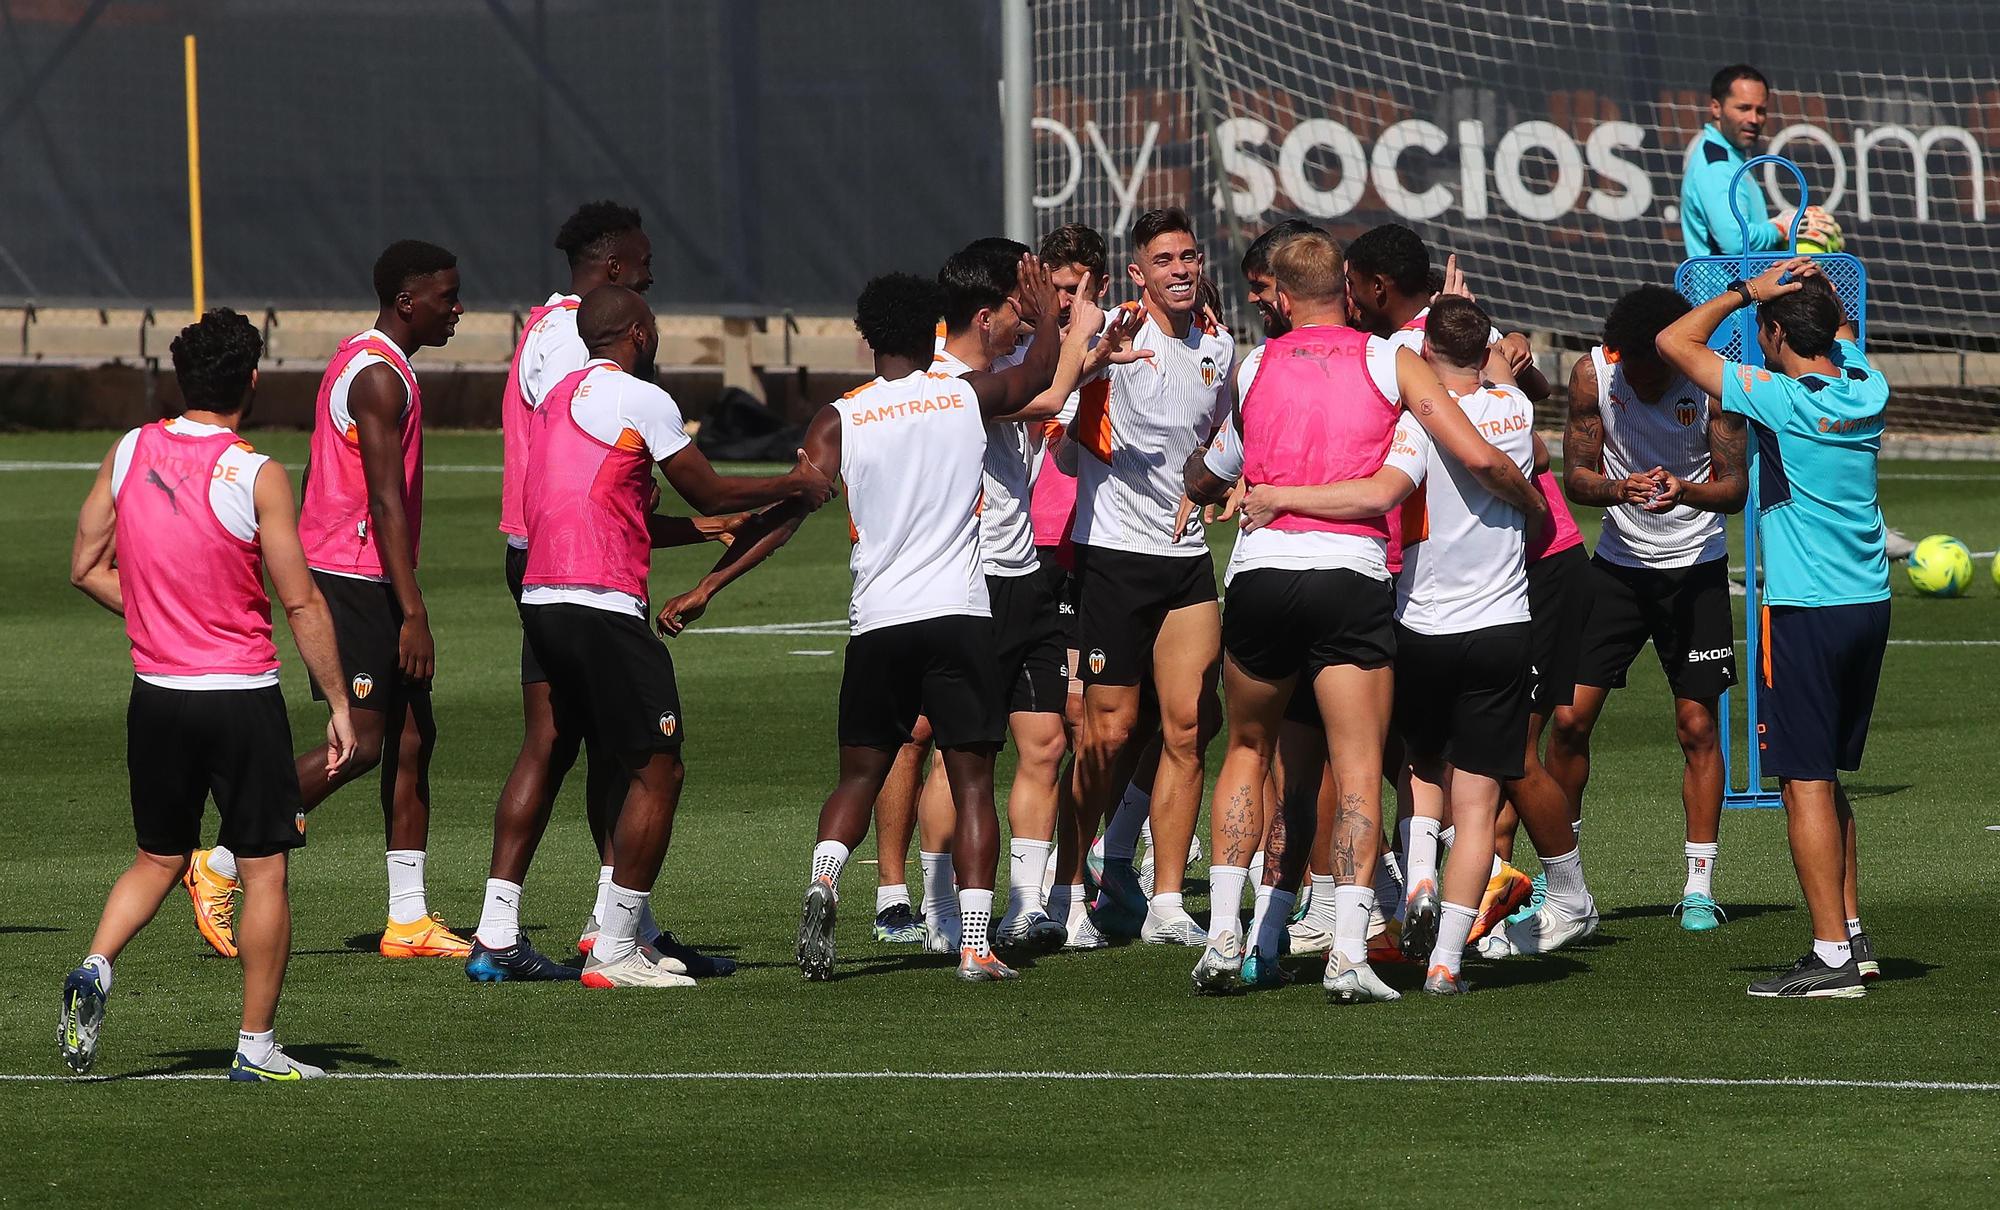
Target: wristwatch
{"type": "Point", "coordinates": [1749, 299]}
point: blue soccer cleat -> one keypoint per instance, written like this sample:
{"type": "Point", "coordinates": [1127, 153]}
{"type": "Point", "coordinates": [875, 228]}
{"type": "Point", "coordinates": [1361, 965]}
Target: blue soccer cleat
{"type": "Point", "coordinates": [899, 924]}
{"type": "Point", "coordinates": [1537, 895]}
{"type": "Point", "coordinates": [520, 962]}
{"type": "Point", "coordinates": [1120, 910]}
{"type": "Point", "coordinates": [82, 1017]}
{"type": "Point", "coordinates": [1699, 913]}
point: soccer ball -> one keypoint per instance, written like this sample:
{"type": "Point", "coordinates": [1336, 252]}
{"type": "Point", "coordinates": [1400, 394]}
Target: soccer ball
{"type": "Point", "coordinates": [1941, 566]}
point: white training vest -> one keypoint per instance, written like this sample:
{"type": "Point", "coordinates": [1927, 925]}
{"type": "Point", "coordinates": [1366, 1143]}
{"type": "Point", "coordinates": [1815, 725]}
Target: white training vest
{"type": "Point", "coordinates": [1006, 531]}
{"type": "Point", "coordinates": [1638, 436]}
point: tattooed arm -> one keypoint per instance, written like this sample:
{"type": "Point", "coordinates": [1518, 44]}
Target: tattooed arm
{"type": "Point", "coordinates": [1583, 449]}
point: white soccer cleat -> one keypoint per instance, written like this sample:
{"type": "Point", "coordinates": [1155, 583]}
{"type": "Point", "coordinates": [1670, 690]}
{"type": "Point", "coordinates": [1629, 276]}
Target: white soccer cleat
{"type": "Point", "coordinates": [942, 933]}
{"type": "Point", "coordinates": [1355, 983]}
{"type": "Point", "coordinates": [1083, 933]}
{"type": "Point", "coordinates": [1173, 927]}
{"type": "Point", "coordinates": [1146, 864]}
{"type": "Point", "coordinates": [280, 1068]}
{"type": "Point", "coordinates": [1220, 966]}
{"type": "Point", "coordinates": [633, 970]}
{"type": "Point", "coordinates": [1309, 938]}
{"type": "Point", "coordinates": [1544, 932]}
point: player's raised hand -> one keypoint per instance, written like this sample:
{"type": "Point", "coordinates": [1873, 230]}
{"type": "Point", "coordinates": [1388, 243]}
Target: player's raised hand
{"type": "Point", "coordinates": [1785, 277]}
{"type": "Point", "coordinates": [1114, 347]}
{"type": "Point", "coordinates": [683, 609]}
{"type": "Point", "coordinates": [340, 742]}
{"type": "Point", "coordinates": [1036, 296]}
{"type": "Point", "coordinates": [1454, 280]}
{"type": "Point", "coordinates": [814, 486]}
{"type": "Point", "coordinates": [1232, 504]}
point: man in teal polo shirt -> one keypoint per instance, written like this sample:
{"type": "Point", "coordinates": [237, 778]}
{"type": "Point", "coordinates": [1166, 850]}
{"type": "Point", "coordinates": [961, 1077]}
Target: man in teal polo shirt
{"type": "Point", "coordinates": [1739, 100]}
{"type": "Point", "coordinates": [1815, 413]}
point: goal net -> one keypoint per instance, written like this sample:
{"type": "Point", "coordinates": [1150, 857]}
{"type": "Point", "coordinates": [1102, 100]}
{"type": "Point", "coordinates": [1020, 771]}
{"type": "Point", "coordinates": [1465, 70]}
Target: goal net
{"type": "Point", "coordinates": [1543, 141]}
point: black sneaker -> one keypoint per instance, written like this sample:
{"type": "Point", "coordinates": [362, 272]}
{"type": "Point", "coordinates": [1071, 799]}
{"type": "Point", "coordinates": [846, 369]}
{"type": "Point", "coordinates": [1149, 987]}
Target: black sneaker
{"type": "Point", "coordinates": [520, 962]}
{"type": "Point", "coordinates": [1813, 979]}
{"type": "Point", "coordinates": [1864, 956]}
{"type": "Point", "coordinates": [699, 965]}
{"type": "Point", "coordinates": [899, 925]}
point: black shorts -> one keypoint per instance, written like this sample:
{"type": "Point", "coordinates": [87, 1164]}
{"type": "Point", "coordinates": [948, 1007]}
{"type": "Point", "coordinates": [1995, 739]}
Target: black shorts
{"type": "Point", "coordinates": [1280, 623]}
{"type": "Point", "coordinates": [517, 567]}
{"type": "Point", "coordinates": [941, 668]}
{"type": "Point", "coordinates": [1027, 635]}
{"type": "Point", "coordinates": [1559, 600]}
{"type": "Point", "coordinates": [1464, 697]}
{"type": "Point", "coordinates": [1123, 599]}
{"type": "Point", "coordinates": [1062, 586]}
{"type": "Point", "coordinates": [1820, 669]}
{"type": "Point", "coordinates": [1683, 610]}
{"type": "Point", "coordinates": [368, 628]}
{"type": "Point", "coordinates": [610, 681]}
{"type": "Point", "coordinates": [183, 745]}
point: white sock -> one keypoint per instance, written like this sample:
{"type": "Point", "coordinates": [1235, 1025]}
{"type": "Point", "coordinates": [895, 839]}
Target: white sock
{"type": "Point", "coordinates": [1444, 843]}
{"type": "Point", "coordinates": [597, 909]}
{"type": "Point", "coordinates": [1166, 905]}
{"type": "Point", "coordinates": [222, 862]}
{"type": "Point", "coordinates": [1420, 853]}
{"type": "Point", "coordinates": [102, 965]}
{"type": "Point", "coordinates": [1388, 879]}
{"type": "Point", "coordinates": [889, 896]}
{"type": "Point", "coordinates": [500, 918]}
{"type": "Point", "coordinates": [1027, 861]}
{"type": "Point", "coordinates": [649, 928]}
{"type": "Point", "coordinates": [940, 888]}
{"type": "Point", "coordinates": [829, 858]}
{"type": "Point", "coordinates": [1454, 926]}
{"type": "Point", "coordinates": [1566, 891]}
{"type": "Point", "coordinates": [618, 932]}
{"type": "Point", "coordinates": [1319, 908]}
{"type": "Point", "coordinates": [1853, 926]}
{"type": "Point", "coordinates": [406, 886]}
{"type": "Point", "coordinates": [1701, 868]}
{"type": "Point", "coordinates": [1065, 899]}
{"type": "Point", "coordinates": [1225, 901]}
{"type": "Point", "coordinates": [975, 913]}
{"type": "Point", "coordinates": [1495, 871]}
{"type": "Point", "coordinates": [1270, 935]}
{"type": "Point", "coordinates": [1834, 953]}
{"type": "Point", "coordinates": [1256, 869]}
{"type": "Point", "coordinates": [1351, 908]}
{"type": "Point", "coordinates": [256, 1048]}
{"type": "Point", "coordinates": [1261, 907]}
{"type": "Point", "coordinates": [1121, 835]}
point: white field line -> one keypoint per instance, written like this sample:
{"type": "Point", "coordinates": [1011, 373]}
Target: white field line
{"type": "Point", "coordinates": [832, 627]}
{"type": "Point", "coordinates": [1083, 1077]}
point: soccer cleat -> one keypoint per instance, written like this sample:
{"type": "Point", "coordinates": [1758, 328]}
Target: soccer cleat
{"type": "Point", "coordinates": [1082, 934]}
{"type": "Point", "coordinates": [1178, 928]}
{"type": "Point", "coordinates": [520, 962]}
{"type": "Point", "coordinates": [1302, 904]}
{"type": "Point", "coordinates": [1120, 907]}
{"type": "Point", "coordinates": [1544, 932]}
{"type": "Point", "coordinates": [1260, 973]}
{"type": "Point", "coordinates": [1505, 891]}
{"type": "Point", "coordinates": [898, 924]}
{"type": "Point", "coordinates": [425, 938]}
{"type": "Point", "coordinates": [1387, 946]}
{"type": "Point", "coordinates": [943, 934]}
{"type": "Point", "coordinates": [1308, 937]}
{"type": "Point", "coordinates": [214, 904]}
{"type": "Point", "coordinates": [1538, 894]}
{"type": "Point", "coordinates": [1031, 930]}
{"type": "Point", "coordinates": [82, 1018]}
{"type": "Point", "coordinates": [1864, 956]}
{"type": "Point", "coordinates": [280, 1068]}
{"type": "Point", "coordinates": [1441, 982]}
{"type": "Point", "coordinates": [1811, 979]}
{"type": "Point", "coordinates": [975, 968]}
{"type": "Point", "coordinates": [1220, 965]}
{"type": "Point", "coordinates": [678, 955]}
{"type": "Point", "coordinates": [587, 940]}
{"type": "Point", "coordinates": [815, 947]}
{"type": "Point", "coordinates": [636, 969]}
{"type": "Point", "coordinates": [1146, 869]}
{"type": "Point", "coordinates": [1420, 921]}
{"type": "Point", "coordinates": [1354, 983]}
{"type": "Point", "coordinates": [1093, 867]}
{"type": "Point", "coordinates": [1699, 913]}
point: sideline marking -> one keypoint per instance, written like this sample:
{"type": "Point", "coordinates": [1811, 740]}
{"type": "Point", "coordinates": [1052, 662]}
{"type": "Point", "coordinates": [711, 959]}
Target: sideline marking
{"type": "Point", "coordinates": [1083, 1077]}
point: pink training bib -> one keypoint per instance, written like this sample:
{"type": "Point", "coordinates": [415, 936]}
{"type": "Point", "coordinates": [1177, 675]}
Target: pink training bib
{"type": "Point", "coordinates": [585, 501]}
{"type": "Point", "coordinates": [334, 525]}
{"type": "Point", "coordinates": [1314, 415]}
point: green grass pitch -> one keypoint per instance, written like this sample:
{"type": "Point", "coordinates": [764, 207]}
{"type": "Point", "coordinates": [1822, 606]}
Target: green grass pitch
{"type": "Point", "coordinates": [1641, 1000]}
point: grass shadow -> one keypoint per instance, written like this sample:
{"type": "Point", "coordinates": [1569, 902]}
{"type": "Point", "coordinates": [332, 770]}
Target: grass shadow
{"type": "Point", "coordinates": [1860, 792]}
{"type": "Point", "coordinates": [333, 1056]}
{"type": "Point", "coordinates": [1735, 911]}
{"type": "Point", "coordinates": [30, 928]}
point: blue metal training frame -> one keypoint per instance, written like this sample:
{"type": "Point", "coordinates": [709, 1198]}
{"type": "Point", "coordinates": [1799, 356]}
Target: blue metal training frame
{"type": "Point", "coordinates": [1698, 280]}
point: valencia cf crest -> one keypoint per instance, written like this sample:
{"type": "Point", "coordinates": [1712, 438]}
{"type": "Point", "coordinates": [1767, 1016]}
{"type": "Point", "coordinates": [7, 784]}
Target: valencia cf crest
{"type": "Point", "coordinates": [1209, 372]}
{"type": "Point", "coordinates": [362, 685]}
{"type": "Point", "coordinates": [669, 724]}
{"type": "Point", "coordinates": [1096, 661]}
{"type": "Point", "coordinates": [1685, 411]}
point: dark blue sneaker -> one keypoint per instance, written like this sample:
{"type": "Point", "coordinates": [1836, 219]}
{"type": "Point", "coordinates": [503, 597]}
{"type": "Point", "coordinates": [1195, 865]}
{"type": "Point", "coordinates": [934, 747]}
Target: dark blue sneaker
{"type": "Point", "coordinates": [699, 965]}
{"type": "Point", "coordinates": [82, 1015]}
{"type": "Point", "coordinates": [520, 962]}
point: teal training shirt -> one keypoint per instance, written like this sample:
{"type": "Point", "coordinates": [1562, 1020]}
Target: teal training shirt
{"type": "Point", "coordinates": [1819, 517]}
{"type": "Point", "coordinates": [1707, 226]}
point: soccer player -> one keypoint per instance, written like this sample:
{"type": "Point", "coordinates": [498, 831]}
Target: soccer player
{"type": "Point", "coordinates": [1649, 446]}
{"type": "Point", "coordinates": [1817, 410]}
{"type": "Point", "coordinates": [1146, 586]}
{"type": "Point", "coordinates": [1461, 637]}
{"type": "Point", "coordinates": [176, 536]}
{"type": "Point", "coordinates": [1739, 102]}
{"type": "Point", "coordinates": [589, 489]}
{"type": "Point", "coordinates": [360, 523]}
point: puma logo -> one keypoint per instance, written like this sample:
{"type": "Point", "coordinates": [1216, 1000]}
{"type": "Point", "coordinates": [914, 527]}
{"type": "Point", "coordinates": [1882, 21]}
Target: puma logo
{"type": "Point", "coordinates": [173, 500]}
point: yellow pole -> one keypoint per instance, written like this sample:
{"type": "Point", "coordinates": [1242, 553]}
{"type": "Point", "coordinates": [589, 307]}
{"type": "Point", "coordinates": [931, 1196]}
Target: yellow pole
{"type": "Point", "coordinates": [194, 180]}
